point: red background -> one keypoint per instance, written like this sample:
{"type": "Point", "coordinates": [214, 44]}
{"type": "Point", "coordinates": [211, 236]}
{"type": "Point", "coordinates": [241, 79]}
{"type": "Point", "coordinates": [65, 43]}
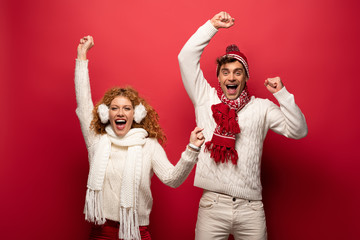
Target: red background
{"type": "Point", "coordinates": [310, 185]}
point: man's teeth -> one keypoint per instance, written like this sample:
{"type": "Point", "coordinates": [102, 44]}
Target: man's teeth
{"type": "Point", "coordinates": [231, 86]}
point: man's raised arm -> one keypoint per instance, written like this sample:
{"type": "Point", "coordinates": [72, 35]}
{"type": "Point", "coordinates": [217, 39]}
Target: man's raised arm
{"type": "Point", "coordinates": [189, 58]}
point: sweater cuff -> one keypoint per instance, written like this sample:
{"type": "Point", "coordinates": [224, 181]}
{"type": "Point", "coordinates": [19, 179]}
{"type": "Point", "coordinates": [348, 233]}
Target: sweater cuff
{"type": "Point", "coordinates": [282, 95]}
{"type": "Point", "coordinates": [81, 63]}
{"type": "Point", "coordinates": [210, 29]}
{"type": "Point", "coordinates": [190, 155]}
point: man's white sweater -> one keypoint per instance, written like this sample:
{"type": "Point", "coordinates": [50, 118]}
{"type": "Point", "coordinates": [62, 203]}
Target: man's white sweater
{"type": "Point", "coordinates": [154, 157]}
{"type": "Point", "coordinates": [255, 119]}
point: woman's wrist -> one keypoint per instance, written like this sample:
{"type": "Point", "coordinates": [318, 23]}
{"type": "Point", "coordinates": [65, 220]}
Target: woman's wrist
{"type": "Point", "coordinates": [81, 56]}
{"type": "Point", "coordinates": [194, 147]}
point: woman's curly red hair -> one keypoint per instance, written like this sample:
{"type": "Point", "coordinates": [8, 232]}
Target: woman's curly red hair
{"type": "Point", "coordinates": [150, 123]}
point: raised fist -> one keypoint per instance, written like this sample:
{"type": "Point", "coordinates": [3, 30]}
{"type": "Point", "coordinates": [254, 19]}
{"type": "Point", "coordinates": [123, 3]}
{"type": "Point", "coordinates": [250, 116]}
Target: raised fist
{"type": "Point", "coordinates": [222, 20]}
{"type": "Point", "coordinates": [86, 43]}
{"type": "Point", "coordinates": [273, 84]}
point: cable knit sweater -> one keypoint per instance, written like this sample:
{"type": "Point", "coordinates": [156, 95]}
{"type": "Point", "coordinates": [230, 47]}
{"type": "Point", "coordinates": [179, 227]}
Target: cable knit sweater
{"type": "Point", "coordinates": [255, 119]}
{"type": "Point", "coordinates": [154, 157]}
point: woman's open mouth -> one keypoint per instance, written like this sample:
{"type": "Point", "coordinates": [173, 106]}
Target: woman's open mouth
{"type": "Point", "coordinates": [120, 123]}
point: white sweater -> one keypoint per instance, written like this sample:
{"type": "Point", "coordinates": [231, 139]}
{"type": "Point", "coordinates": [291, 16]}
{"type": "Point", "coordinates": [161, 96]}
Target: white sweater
{"type": "Point", "coordinates": [154, 157]}
{"type": "Point", "coordinates": [255, 119]}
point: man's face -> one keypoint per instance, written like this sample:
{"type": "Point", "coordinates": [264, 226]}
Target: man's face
{"type": "Point", "coordinates": [232, 78]}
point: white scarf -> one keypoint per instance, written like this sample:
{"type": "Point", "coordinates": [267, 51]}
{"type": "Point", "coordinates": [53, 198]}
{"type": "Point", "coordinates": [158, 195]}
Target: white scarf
{"type": "Point", "coordinates": [134, 140]}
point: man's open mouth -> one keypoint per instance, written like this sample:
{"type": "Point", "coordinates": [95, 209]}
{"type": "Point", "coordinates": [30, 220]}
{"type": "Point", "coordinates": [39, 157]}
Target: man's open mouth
{"type": "Point", "coordinates": [232, 86]}
{"type": "Point", "coordinates": [232, 89]}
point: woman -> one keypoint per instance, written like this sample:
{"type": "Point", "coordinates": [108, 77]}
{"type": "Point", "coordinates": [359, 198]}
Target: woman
{"type": "Point", "coordinates": [122, 135]}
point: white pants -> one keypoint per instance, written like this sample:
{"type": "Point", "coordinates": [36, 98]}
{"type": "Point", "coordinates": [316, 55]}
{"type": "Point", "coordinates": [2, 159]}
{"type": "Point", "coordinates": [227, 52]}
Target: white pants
{"type": "Point", "coordinates": [220, 215]}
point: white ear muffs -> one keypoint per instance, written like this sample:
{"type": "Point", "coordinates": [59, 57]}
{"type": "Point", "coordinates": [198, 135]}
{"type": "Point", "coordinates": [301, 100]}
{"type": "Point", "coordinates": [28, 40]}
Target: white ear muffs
{"type": "Point", "coordinates": [139, 113]}
{"type": "Point", "coordinates": [103, 112]}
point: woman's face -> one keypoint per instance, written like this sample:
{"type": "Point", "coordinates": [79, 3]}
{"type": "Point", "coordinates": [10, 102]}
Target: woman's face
{"type": "Point", "coordinates": [121, 115]}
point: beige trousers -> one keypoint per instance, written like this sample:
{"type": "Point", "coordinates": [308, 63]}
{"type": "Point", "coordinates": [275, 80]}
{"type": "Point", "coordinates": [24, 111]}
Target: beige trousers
{"type": "Point", "coordinates": [221, 215]}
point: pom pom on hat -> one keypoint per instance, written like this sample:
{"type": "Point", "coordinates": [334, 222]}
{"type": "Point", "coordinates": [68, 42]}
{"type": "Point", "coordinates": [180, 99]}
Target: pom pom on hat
{"type": "Point", "coordinates": [234, 52]}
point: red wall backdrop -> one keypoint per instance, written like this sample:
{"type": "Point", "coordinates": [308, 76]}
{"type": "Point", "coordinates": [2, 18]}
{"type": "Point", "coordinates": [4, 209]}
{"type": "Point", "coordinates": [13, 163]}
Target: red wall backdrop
{"type": "Point", "coordinates": [310, 185]}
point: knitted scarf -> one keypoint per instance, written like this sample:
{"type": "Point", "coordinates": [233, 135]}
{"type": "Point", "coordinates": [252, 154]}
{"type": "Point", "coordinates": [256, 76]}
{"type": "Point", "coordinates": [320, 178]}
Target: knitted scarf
{"type": "Point", "coordinates": [222, 144]}
{"type": "Point", "coordinates": [134, 140]}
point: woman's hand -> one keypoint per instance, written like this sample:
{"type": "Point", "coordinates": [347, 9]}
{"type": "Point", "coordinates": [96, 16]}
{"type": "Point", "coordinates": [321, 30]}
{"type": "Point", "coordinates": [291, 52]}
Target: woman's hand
{"type": "Point", "coordinates": [86, 43]}
{"type": "Point", "coordinates": [197, 137]}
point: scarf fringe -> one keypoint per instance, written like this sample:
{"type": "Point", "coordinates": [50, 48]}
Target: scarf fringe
{"type": "Point", "coordinates": [93, 207]}
{"type": "Point", "coordinates": [129, 225]}
{"type": "Point", "coordinates": [221, 153]}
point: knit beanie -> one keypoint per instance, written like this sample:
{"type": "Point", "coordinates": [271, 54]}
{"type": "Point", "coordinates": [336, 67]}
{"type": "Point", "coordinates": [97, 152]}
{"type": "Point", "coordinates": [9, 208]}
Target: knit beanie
{"type": "Point", "coordinates": [234, 52]}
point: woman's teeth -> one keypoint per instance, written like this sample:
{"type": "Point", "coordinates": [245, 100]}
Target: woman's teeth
{"type": "Point", "coordinates": [120, 121]}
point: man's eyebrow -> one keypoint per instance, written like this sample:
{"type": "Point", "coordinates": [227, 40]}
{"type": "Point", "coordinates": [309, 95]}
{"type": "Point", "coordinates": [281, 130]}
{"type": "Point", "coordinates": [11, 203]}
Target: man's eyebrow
{"type": "Point", "coordinates": [236, 69]}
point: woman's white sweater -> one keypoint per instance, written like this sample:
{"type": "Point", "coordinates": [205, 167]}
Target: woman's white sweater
{"type": "Point", "coordinates": [154, 157]}
{"type": "Point", "coordinates": [255, 119]}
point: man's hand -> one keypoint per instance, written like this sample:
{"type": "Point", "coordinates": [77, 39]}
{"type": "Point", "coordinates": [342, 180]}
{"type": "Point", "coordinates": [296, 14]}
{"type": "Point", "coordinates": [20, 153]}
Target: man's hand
{"type": "Point", "coordinates": [86, 43]}
{"type": "Point", "coordinates": [273, 84]}
{"type": "Point", "coordinates": [222, 20]}
{"type": "Point", "coordinates": [197, 137]}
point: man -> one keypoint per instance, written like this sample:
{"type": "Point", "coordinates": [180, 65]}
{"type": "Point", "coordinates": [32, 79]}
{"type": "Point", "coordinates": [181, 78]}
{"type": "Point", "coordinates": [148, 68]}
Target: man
{"type": "Point", "coordinates": [236, 125]}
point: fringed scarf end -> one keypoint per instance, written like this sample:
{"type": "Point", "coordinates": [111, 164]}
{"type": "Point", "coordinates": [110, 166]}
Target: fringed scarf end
{"type": "Point", "coordinates": [129, 225]}
{"type": "Point", "coordinates": [93, 207]}
{"type": "Point", "coordinates": [221, 153]}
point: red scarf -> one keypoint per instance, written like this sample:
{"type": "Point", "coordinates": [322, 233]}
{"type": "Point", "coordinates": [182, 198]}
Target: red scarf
{"type": "Point", "coordinates": [222, 144]}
